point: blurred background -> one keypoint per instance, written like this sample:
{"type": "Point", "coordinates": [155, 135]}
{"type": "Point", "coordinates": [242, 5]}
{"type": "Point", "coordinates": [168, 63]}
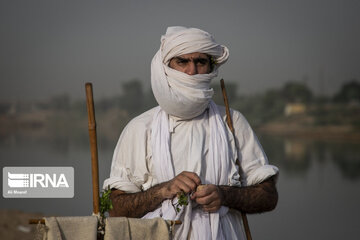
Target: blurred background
{"type": "Point", "coordinates": [293, 72]}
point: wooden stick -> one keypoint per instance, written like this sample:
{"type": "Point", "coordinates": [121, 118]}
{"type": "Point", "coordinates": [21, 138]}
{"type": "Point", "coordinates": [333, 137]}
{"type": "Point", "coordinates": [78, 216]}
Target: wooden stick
{"type": "Point", "coordinates": [37, 221]}
{"type": "Point", "coordinates": [230, 124]}
{"type": "Point", "coordinates": [176, 222]}
{"type": "Point", "coordinates": [93, 147]}
{"type": "Point", "coordinates": [42, 221]}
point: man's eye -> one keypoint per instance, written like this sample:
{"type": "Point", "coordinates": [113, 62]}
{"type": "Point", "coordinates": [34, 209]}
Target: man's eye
{"type": "Point", "coordinates": [202, 61]}
{"type": "Point", "coordinates": [182, 61]}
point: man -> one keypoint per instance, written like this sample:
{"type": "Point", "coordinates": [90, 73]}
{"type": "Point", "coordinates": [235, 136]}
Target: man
{"type": "Point", "coordinates": [184, 146]}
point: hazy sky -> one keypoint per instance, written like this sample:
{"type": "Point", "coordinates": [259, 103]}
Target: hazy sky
{"type": "Point", "coordinates": [52, 47]}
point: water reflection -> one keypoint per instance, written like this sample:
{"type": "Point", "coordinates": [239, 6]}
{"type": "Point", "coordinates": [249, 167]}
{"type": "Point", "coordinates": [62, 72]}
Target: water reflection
{"type": "Point", "coordinates": [295, 155]}
{"type": "Point", "coordinates": [316, 177]}
{"type": "Point", "coordinates": [347, 158]}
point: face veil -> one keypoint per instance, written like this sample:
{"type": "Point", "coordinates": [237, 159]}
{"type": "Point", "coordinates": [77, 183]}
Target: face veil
{"type": "Point", "coordinates": [179, 94]}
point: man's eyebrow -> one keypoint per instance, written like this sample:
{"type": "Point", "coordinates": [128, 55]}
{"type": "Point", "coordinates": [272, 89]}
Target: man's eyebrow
{"type": "Point", "coordinates": [194, 59]}
{"type": "Point", "coordinates": [182, 59]}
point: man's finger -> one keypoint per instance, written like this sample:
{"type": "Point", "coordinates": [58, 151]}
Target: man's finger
{"type": "Point", "coordinates": [181, 185]}
{"type": "Point", "coordinates": [204, 200]}
{"type": "Point", "coordinates": [204, 190]}
{"type": "Point", "coordinates": [190, 175]}
{"type": "Point", "coordinates": [190, 179]}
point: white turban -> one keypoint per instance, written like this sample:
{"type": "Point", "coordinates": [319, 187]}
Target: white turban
{"type": "Point", "coordinates": [179, 94]}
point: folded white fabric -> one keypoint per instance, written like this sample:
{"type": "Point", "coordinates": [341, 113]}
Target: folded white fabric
{"type": "Point", "coordinates": [136, 229]}
{"type": "Point", "coordinates": [203, 224]}
{"type": "Point", "coordinates": [71, 228]}
{"type": "Point", "coordinates": [177, 93]}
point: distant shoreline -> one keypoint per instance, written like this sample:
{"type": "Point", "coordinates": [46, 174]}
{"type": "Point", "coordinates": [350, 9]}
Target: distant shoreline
{"type": "Point", "coordinates": [51, 123]}
{"type": "Point", "coordinates": [332, 132]}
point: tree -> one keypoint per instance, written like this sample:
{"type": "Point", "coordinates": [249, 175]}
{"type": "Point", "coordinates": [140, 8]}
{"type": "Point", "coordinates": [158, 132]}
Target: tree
{"type": "Point", "coordinates": [349, 92]}
{"type": "Point", "coordinates": [296, 92]}
{"type": "Point", "coordinates": [60, 102]}
{"type": "Point", "coordinates": [133, 96]}
{"type": "Point", "coordinates": [231, 88]}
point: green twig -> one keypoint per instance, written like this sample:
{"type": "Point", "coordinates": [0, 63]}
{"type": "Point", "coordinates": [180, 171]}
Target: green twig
{"type": "Point", "coordinates": [182, 201]}
{"type": "Point", "coordinates": [105, 202]}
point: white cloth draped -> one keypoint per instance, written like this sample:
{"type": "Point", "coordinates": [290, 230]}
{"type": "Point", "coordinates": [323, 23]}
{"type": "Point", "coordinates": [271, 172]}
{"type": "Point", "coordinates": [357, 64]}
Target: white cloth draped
{"type": "Point", "coordinates": [181, 40]}
{"type": "Point", "coordinates": [217, 173]}
{"type": "Point", "coordinates": [133, 167]}
{"type": "Point", "coordinates": [177, 93]}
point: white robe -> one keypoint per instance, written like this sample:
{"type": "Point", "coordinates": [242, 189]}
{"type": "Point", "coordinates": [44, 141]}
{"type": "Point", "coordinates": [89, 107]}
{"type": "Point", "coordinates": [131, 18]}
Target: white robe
{"type": "Point", "coordinates": [132, 168]}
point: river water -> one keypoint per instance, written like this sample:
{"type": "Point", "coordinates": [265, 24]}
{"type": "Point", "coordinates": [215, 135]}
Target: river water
{"type": "Point", "coordinates": [319, 183]}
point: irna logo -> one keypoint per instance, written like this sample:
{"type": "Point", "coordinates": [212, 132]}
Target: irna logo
{"type": "Point", "coordinates": [19, 180]}
{"type": "Point", "coordinates": [38, 182]}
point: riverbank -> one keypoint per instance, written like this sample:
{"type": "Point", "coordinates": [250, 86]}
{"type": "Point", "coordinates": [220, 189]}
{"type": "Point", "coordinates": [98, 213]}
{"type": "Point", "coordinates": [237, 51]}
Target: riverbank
{"type": "Point", "coordinates": [306, 126]}
{"type": "Point", "coordinates": [14, 225]}
{"type": "Point", "coordinates": [332, 133]}
{"type": "Point", "coordinates": [50, 124]}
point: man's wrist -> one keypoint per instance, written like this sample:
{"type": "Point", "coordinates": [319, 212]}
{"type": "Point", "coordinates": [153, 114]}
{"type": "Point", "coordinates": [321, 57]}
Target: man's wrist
{"type": "Point", "coordinates": [223, 194]}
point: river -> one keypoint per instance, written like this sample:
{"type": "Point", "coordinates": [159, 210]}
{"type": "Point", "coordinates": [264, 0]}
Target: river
{"type": "Point", "coordinates": [319, 183]}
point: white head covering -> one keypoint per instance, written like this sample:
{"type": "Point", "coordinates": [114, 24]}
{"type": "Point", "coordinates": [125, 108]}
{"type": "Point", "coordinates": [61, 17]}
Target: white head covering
{"type": "Point", "coordinates": [179, 94]}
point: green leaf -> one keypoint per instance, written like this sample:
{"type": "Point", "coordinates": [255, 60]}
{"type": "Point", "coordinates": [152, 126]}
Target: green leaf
{"type": "Point", "coordinates": [105, 202]}
{"type": "Point", "coordinates": [182, 201]}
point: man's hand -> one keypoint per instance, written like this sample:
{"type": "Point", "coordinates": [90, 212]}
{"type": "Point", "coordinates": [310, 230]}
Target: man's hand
{"type": "Point", "coordinates": [258, 198]}
{"type": "Point", "coordinates": [209, 197]}
{"type": "Point", "coordinates": [138, 204]}
{"type": "Point", "coordinates": [186, 182]}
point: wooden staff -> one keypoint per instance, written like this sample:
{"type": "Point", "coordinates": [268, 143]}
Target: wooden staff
{"type": "Point", "coordinates": [37, 221]}
{"type": "Point", "coordinates": [230, 124]}
{"type": "Point", "coordinates": [42, 221]}
{"type": "Point", "coordinates": [93, 146]}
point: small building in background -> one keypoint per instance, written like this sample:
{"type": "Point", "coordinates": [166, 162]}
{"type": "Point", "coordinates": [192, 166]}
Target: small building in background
{"type": "Point", "coordinates": [294, 109]}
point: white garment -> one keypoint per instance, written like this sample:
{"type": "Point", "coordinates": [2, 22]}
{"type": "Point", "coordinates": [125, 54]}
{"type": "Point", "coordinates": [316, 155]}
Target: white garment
{"type": "Point", "coordinates": [218, 162]}
{"type": "Point", "coordinates": [187, 96]}
{"type": "Point", "coordinates": [133, 170]}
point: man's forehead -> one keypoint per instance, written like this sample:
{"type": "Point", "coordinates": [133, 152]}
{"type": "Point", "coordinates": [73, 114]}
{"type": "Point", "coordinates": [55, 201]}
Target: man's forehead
{"type": "Point", "coordinates": [194, 55]}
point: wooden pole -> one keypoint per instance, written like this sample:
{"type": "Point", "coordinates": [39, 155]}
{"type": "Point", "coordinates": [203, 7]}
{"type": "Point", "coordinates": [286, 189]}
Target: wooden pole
{"type": "Point", "coordinates": [42, 221]}
{"type": "Point", "coordinates": [93, 146]}
{"type": "Point", "coordinates": [37, 221]}
{"type": "Point", "coordinates": [230, 124]}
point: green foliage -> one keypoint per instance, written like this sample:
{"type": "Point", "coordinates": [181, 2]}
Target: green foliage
{"type": "Point", "coordinates": [335, 114]}
{"type": "Point", "coordinates": [105, 202]}
{"type": "Point", "coordinates": [182, 201]}
{"type": "Point", "coordinates": [231, 89]}
{"type": "Point", "coordinates": [296, 92]}
{"type": "Point", "coordinates": [61, 102]}
{"type": "Point", "coordinates": [350, 91]}
{"type": "Point", "coordinates": [265, 107]}
{"type": "Point", "coordinates": [273, 105]}
{"type": "Point", "coordinates": [132, 98]}
{"type": "Point", "coordinates": [114, 112]}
